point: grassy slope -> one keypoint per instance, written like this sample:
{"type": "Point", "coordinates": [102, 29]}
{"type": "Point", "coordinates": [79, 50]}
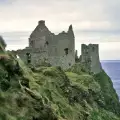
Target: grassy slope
{"type": "Point", "coordinates": [49, 93]}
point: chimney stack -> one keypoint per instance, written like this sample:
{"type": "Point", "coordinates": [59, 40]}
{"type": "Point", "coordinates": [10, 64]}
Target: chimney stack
{"type": "Point", "coordinates": [41, 22]}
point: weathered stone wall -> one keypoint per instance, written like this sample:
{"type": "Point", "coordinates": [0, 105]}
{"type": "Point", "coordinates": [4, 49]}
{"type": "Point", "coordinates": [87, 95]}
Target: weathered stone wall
{"type": "Point", "coordinates": [90, 56]}
{"type": "Point", "coordinates": [94, 53]}
{"type": "Point", "coordinates": [22, 53]}
{"type": "Point", "coordinates": [61, 50]}
{"type": "Point", "coordinates": [39, 35]}
{"type": "Point", "coordinates": [39, 58]}
{"type": "Point", "coordinates": [64, 61]}
{"type": "Point", "coordinates": [58, 50]}
{"type": "Point", "coordinates": [36, 58]}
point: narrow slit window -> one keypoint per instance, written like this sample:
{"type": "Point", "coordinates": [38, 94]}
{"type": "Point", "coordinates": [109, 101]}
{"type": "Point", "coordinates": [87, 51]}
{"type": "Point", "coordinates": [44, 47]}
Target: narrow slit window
{"type": "Point", "coordinates": [93, 49]}
{"type": "Point", "coordinates": [66, 51]}
{"type": "Point", "coordinates": [28, 57]}
{"type": "Point", "coordinates": [47, 43]}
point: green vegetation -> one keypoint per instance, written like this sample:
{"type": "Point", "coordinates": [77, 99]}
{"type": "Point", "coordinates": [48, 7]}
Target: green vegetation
{"type": "Point", "coordinates": [111, 99]}
{"type": "Point", "coordinates": [2, 42]}
{"type": "Point", "coordinates": [49, 93]}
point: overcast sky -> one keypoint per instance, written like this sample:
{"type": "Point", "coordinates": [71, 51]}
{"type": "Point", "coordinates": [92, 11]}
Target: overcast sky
{"type": "Point", "coordinates": [94, 21]}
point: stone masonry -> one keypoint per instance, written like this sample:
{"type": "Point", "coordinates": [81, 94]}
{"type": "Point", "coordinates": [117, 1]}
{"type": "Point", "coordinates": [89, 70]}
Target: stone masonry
{"type": "Point", "coordinates": [90, 56]}
{"type": "Point", "coordinates": [58, 50]}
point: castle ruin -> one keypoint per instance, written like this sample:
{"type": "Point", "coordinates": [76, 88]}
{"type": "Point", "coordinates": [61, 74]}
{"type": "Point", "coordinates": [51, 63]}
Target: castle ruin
{"type": "Point", "coordinates": [58, 50]}
{"type": "Point", "coordinates": [90, 57]}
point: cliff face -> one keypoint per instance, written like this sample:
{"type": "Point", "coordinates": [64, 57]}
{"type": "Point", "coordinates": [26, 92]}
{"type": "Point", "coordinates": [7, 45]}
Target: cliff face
{"type": "Point", "coordinates": [49, 93]}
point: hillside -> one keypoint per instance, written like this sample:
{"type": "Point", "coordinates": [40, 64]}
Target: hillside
{"type": "Point", "coordinates": [49, 93]}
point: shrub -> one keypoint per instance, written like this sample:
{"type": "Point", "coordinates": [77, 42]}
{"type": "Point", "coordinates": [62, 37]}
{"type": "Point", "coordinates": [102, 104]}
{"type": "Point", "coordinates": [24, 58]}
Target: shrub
{"type": "Point", "coordinates": [2, 42]}
{"type": "Point", "coordinates": [4, 85]}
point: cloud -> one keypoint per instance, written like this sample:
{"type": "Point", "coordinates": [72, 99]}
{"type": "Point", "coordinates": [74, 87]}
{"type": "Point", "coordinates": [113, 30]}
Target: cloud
{"type": "Point", "coordinates": [87, 15]}
{"type": "Point", "coordinates": [95, 21]}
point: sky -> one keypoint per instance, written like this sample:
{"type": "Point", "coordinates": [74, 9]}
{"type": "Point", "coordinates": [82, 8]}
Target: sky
{"type": "Point", "coordinates": [94, 21]}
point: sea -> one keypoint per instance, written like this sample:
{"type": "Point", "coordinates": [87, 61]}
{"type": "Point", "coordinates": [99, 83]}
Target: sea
{"type": "Point", "coordinates": [112, 68]}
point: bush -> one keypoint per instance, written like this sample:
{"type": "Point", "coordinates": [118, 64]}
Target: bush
{"type": "Point", "coordinates": [4, 85]}
{"type": "Point", "coordinates": [108, 92]}
{"type": "Point", "coordinates": [78, 68]}
{"type": "Point", "coordinates": [2, 42]}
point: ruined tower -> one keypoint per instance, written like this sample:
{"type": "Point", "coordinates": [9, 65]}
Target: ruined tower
{"type": "Point", "coordinates": [62, 49]}
{"type": "Point", "coordinates": [38, 37]}
{"type": "Point", "coordinates": [90, 56]}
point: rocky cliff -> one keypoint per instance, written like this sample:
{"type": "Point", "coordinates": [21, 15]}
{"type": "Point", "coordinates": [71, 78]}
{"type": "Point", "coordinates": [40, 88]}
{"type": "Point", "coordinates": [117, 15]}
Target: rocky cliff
{"type": "Point", "coordinates": [49, 93]}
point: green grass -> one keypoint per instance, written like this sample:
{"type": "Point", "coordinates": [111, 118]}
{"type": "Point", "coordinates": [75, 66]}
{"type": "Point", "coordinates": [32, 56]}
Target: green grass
{"type": "Point", "coordinates": [102, 115]}
{"type": "Point", "coordinates": [49, 93]}
{"type": "Point", "coordinates": [110, 95]}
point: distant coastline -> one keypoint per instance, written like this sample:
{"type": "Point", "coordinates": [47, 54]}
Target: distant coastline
{"type": "Point", "coordinates": [109, 60]}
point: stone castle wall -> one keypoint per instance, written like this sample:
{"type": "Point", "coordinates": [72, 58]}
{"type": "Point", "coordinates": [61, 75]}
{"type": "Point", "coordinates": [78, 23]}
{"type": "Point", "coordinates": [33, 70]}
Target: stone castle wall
{"type": "Point", "coordinates": [58, 50]}
{"type": "Point", "coordinates": [90, 56]}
